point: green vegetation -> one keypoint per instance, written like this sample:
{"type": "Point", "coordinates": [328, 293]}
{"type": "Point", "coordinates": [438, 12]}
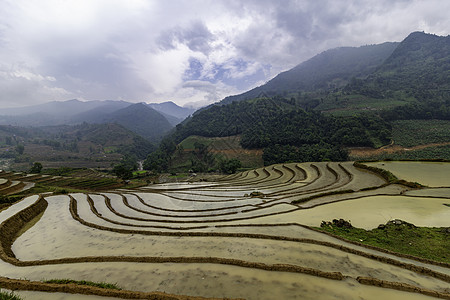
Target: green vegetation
{"type": "Point", "coordinates": [62, 171]}
{"type": "Point", "coordinates": [429, 243]}
{"type": "Point", "coordinates": [284, 131]}
{"type": "Point", "coordinates": [190, 142]}
{"type": "Point", "coordinates": [388, 176]}
{"type": "Point", "coordinates": [9, 296]}
{"type": "Point", "coordinates": [406, 132]}
{"type": "Point", "coordinates": [324, 72]}
{"type": "Point", "coordinates": [103, 285]}
{"type": "Point", "coordinates": [143, 120]}
{"type": "Point", "coordinates": [36, 168]}
{"type": "Point", "coordinates": [229, 166]}
{"type": "Point", "coordinates": [84, 145]}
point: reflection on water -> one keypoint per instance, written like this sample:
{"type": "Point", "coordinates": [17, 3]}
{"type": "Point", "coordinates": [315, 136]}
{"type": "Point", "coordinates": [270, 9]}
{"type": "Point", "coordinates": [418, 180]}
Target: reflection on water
{"type": "Point", "coordinates": [371, 211]}
{"type": "Point", "coordinates": [433, 174]}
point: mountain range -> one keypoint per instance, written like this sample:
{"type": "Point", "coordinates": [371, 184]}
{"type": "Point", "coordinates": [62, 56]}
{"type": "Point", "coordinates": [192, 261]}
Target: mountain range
{"type": "Point", "coordinates": [340, 98]}
{"type": "Point", "coordinates": [151, 121]}
{"type": "Point", "coordinates": [326, 71]}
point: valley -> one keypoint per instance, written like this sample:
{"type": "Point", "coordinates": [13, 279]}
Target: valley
{"type": "Point", "coordinates": [330, 179]}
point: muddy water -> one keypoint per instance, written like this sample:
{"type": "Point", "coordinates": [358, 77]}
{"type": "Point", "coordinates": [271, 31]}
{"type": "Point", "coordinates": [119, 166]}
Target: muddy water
{"type": "Point", "coordinates": [32, 295]}
{"type": "Point", "coordinates": [211, 280]}
{"type": "Point", "coordinates": [135, 204]}
{"type": "Point", "coordinates": [437, 192]}
{"type": "Point", "coordinates": [371, 211]}
{"type": "Point", "coordinates": [433, 174]}
{"type": "Point", "coordinates": [203, 279]}
{"type": "Point", "coordinates": [56, 236]}
{"type": "Point", "coordinates": [166, 202]}
{"type": "Point", "coordinates": [69, 235]}
{"type": "Point", "coordinates": [12, 210]}
{"type": "Point", "coordinates": [100, 205]}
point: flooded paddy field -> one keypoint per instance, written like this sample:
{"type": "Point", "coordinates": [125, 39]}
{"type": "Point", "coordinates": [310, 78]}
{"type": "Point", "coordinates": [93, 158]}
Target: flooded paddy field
{"type": "Point", "coordinates": [432, 174]}
{"type": "Point", "coordinates": [241, 236]}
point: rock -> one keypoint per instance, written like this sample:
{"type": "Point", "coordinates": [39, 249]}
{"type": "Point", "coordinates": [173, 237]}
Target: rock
{"type": "Point", "coordinates": [382, 226]}
{"type": "Point", "coordinates": [256, 194]}
{"type": "Point", "coordinates": [397, 222]}
{"type": "Point", "coordinates": [342, 223]}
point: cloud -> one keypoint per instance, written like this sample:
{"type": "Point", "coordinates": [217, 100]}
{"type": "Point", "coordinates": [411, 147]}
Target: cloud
{"type": "Point", "coordinates": [195, 36]}
{"type": "Point", "coordinates": [20, 87]}
{"type": "Point", "coordinates": [186, 51]}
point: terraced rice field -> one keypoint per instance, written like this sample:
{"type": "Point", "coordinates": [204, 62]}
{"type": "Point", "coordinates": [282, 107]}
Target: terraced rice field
{"type": "Point", "coordinates": [12, 183]}
{"type": "Point", "coordinates": [241, 236]}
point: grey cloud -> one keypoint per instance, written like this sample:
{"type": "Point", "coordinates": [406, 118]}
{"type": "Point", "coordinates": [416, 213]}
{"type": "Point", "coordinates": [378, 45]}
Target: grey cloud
{"type": "Point", "coordinates": [204, 86]}
{"type": "Point", "coordinates": [195, 35]}
{"type": "Point", "coordinates": [124, 52]}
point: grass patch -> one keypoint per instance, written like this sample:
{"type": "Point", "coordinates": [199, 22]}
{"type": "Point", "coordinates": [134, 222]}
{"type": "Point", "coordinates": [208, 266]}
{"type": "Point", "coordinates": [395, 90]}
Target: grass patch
{"type": "Point", "coordinates": [9, 296]}
{"type": "Point", "coordinates": [426, 242]}
{"type": "Point", "coordinates": [137, 173]}
{"type": "Point", "coordinates": [189, 142]}
{"type": "Point", "coordinates": [62, 171]}
{"type": "Point", "coordinates": [103, 285]}
{"type": "Point", "coordinates": [388, 176]}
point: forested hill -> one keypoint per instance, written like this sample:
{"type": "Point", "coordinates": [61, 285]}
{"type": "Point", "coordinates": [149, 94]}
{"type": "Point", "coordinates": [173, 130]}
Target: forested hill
{"type": "Point", "coordinates": [329, 70]}
{"type": "Point", "coordinates": [283, 130]}
{"type": "Point", "coordinates": [141, 119]}
{"type": "Point", "coordinates": [419, 68]}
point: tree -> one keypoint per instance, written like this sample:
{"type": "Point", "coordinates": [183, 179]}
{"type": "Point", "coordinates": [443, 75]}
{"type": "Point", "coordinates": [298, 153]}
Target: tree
{"type": "Point", "coordinates": [36, 168]}
{"type": "Point", "coordinates": [20, 149]}
{"type": "Point", "coordinates": [229, 166]}
{"type": "Point", "coordinates": [123, 172]}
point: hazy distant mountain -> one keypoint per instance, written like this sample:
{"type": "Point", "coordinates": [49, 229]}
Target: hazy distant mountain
{"type": "Point", "coordinates": [141, 119]}
{"type": "Point", "coordinates": [326, 71]}
{"type": "Point", "coordinates": [60, 112]}
{"type": "Point", "coordinates": [60, 108]}
{"type": "Point", "coordinates": [99, 113]}
{"type": "Point", "coordinates": [76, 112]}
{"type": "Point", "coordinates": [171, 109]}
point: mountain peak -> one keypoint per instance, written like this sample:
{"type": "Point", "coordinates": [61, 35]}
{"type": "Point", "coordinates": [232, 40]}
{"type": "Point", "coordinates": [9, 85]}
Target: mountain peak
{"type": "Point", "coordinates": [172, 109]}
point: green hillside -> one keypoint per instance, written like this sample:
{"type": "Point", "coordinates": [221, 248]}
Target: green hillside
{"type": "Point", "coordinates": [84, 145]}
{"type": "Point", "coordinates": [143, 120]}
{"type": "Point", "coordinates": [417, 73]}
{"type": "Point", "coordinates": [324, 72]}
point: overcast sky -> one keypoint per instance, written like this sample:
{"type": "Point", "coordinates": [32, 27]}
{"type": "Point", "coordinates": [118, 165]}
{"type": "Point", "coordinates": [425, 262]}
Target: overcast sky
{"type": "Point", "coordinates": [190, 52]}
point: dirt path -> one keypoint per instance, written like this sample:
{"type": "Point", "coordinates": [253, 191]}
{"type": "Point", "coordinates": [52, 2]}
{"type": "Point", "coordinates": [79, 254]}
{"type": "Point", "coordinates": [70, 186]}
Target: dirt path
{"type": "Point", "coordinates": [391, 148]}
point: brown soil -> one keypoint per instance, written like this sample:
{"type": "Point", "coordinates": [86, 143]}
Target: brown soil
{"type": "Point", "coordinates": [392, 148]}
